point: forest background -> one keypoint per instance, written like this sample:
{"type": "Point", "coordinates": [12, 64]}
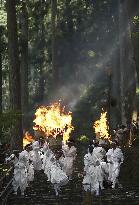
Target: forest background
{"type": "Point", "coordinates": [82, 52]}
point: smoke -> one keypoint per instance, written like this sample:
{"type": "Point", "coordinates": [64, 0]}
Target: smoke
{"type": "Point", "coordinates": [76, 89]}
{"type": "Point", "coordinates": [96, 57]}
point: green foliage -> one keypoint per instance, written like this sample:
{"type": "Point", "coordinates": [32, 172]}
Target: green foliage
{"type": "Point", "coordinates": [137, 91]}
{"type": "Point", "coordinates": [136, 20]}
{"type": "Point", "coordinates": [83, 139]}
{"type": "Point", "coordinates": [7, 121]}
{"type": "Point", "coordinates": [3, 17]}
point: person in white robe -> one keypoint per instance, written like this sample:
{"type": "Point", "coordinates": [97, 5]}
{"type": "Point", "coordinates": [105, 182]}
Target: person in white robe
{"type": "Point", "coordinates": [35, 156]}
{"type": "Point", "coordinates": [92, 171]}
{"type": "Point", "coordinates": [115, 158]}
{"type": "Point", "coordinates": [48, 163]}
{"type": "Point", "coordinates": [88, 161]}
{"type": "Point", "coordinates": [99, 154]}
{"type": "Point", "coordinates": [20, 175]}
{"type": "Point", "coordinates": [13, 158]}
{"type": "Point", "coordinates": [28, 163]}
{"type": "Point", "coordinates": [45, 151]}
{"type": "Point", "coordinates": [58, 176]}
{"type": "Point", "coordinates": [30, 171]}
{"type": "Point", "coordinates": [109, 162]}
{"type": "Point", "coordinates": [70, 155]}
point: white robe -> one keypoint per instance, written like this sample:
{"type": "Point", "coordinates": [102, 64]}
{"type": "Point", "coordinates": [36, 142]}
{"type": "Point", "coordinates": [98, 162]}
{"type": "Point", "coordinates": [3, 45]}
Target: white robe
{"type": "Point", "coordinates": [35, 156]}
{"type": "Point", "coordinates": [70, 155]}
{"type": "Point", "coordinates": [101, 167]}
{"type": "Point", "coordinates": [91, 179]}
{"type": "Point", "coordinates": [48, 163]}
{"type": "Point", "coordinates": [46, 152]}
{"type": "Point", "coordinates": [20, 175]}
{"type": "Point", "coordinates": [57, 175]}
{"type": "Point", "coordinates": [31, 172]}
{"type": "Point", "coordinates": [36, 159]}
{"type": "Point", "coordinates": [26, 159]}
{"type": "Point", "coordinates": [109, 160]}
{"type": "Point", "coordinates": [115, 158]}
{"type": "Point", "coordinates": [62, 161]}
{"type": "Point", "coordinates": [99, 153]}
{"type": "Point", "coordinates": [65, 149]}
{"type": "Point", "coordinates": [88, 161]}
{"type": "Point", "coordinates": [29, 166]}
{"type": "Point", "coordinates": [12, 159]}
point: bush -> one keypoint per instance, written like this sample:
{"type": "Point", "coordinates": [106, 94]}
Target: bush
{"type": "Point", "coordinates": [83, 139]}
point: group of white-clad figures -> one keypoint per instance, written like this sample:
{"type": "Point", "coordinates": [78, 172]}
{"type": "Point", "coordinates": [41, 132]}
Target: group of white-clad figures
{"type": "Point", "coordinates": [58, 166]}
{"type": "Point", "coordinates": [99, 166]}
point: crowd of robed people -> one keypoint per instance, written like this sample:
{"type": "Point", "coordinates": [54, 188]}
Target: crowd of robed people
{"type": "Point", "coordinates": [100, 165]}
{"type": "Point", "coordinates": [56, 164]}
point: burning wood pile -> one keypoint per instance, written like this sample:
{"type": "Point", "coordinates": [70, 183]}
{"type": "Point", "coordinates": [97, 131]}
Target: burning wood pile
{"type": "Point", "coordinates": [101, 127]}
{"type": "Point", "coordinates": [53, 121]}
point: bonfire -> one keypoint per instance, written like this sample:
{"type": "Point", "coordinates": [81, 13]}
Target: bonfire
{"type": "Point", "coordinates": [53, 121]}
{"type": "Point", "coordinates": [101, 127]}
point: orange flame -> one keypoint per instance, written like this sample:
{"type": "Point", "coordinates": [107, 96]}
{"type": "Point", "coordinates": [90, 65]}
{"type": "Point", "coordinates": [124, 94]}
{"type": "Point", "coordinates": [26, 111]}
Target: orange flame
{"type": "Point", "coordinates": [27, 139]}
{"type": "Point", "coordinates": [53, 121]}
{"type": "Point", "coordinates": [101, 127]}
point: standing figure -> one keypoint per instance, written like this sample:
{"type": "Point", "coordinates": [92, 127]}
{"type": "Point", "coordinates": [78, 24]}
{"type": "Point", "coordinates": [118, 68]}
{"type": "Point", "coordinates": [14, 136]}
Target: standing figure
{"type": "Point", "coordinates": [30, 171]}
{"type": "Point", "coordinates": [88, 162]}
{"type": "Point", "coordinates": [48, 163]}
{"type": "Point", "coordinates": [20, 175]}
{"type": "Point", "coordinates": [45, 151]}
{"type": "Point", "coordinates": [35, 156]}
{"type": "Point", "coordinates": [70, 155]}
{"type": "Point", "coordinates": [13, 157]}
{"type": "Point", "coordinates": [26, 158]}
{"type": "Point", "coordinates": [115, 158]}
{"type": "Point", "coordinates": [58, 177]}
{"type": "Point", "coordinates": [29, 163]}
{"type": "Point", "coordinates": [99, 154]}
{"type": "Point", "coordinates": [92, 169]}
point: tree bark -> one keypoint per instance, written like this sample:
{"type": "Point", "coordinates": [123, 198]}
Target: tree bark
{"type": "Point", "coordinates": [42, 59]}
{"type": "Point", "coordinates": [127, 66]}
{"type": "Point", "coordinates": [132, 7]}
{"type": "Point", "coordinates": [55, 70]}
{"type": "Point", "coordinates": [14, 78]}
{"type": "Point", "coordinates": [24, 64]}
{"type": "Point", "coordinates": [1, 78]}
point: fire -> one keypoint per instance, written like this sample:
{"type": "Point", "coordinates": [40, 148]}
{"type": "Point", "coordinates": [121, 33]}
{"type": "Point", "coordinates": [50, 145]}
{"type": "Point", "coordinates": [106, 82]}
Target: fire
{"type": "Point", "coordinates": [53, 121]}
{"type": "Point", "coordinates": [27, 139]}
{"type": "Point", "coordinates": [101, 127]}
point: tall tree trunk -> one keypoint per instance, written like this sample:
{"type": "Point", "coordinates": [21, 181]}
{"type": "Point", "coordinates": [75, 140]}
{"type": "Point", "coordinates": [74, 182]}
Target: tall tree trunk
{"type": "Point", "coordinates": [42, 59]}
{"type": "Point", "coordinates": [1, 29]}
{"type": "Point", "coordinates": [24, 65]}
{"type": "Point", "coordinates": [69, 18]}
{"type": "Point", "coordinates": [14, 66]}
{"type": "Point", "coordinates": [133, 10]}
{"type": "Point", "coordinates": [55, 70]}
{"type": "Point", "coordinates": [127, 67]}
